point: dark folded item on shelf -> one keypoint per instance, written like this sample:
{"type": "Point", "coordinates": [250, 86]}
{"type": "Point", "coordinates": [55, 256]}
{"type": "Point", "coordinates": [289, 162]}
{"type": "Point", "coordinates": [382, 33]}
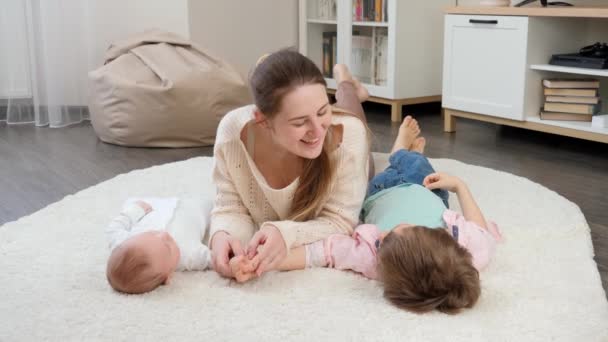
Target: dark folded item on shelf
{"type": "Point", "coordinates": [544, 115]}
{"type": "Point", "coordinates": [579, 61]}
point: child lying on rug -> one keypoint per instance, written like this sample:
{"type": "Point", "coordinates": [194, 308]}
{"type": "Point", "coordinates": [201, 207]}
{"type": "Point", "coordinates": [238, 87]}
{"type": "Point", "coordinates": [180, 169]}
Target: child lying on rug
{"type": "Point", "coordinates": [148, 243]}
{"type": "Point", "coordinates": [430, 263]}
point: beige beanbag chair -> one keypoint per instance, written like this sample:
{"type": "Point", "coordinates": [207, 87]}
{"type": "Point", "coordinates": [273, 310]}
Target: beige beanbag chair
{"type": "Point", "coordinates": [157, 89]}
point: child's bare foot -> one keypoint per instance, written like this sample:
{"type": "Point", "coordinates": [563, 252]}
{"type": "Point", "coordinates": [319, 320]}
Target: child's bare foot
{"type": "Point", "coordinates": [418, 145]}
{"type": "Point", "coordinates": [341, 74]}
{"type": "Point", "coordinates": [408, 131]}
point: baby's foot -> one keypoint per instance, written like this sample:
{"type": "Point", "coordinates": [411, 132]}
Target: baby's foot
{"type": "Point", "coordinates": [408, 131]}
{"type": "Point", "coordinates": [418, 145]}
{"type": "Point", "coordinates": [341, 74]}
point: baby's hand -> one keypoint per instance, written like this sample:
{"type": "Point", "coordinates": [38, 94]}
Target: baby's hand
{"type": "Point", "coordinates": [242, 268]}
{"type": "Point", "coordinates": [145, 206]}
{"type": "Point", "coordinates": [439, 180]}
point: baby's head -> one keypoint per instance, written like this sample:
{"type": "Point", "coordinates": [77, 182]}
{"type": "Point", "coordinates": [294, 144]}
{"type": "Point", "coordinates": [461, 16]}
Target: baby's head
{"type": "Point", "coordinates": [143, 262]}
{"type": "Point", "coordinates": [425, 269]}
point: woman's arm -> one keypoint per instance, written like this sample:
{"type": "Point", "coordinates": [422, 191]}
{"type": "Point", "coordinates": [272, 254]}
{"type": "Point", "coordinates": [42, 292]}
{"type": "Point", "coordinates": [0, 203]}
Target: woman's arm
{"type": "Point", "coordinates": [231, 225]}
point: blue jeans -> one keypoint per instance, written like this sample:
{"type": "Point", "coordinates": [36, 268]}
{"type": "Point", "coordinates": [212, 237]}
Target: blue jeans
{"type": "Point", "coordinates": [404, 167]}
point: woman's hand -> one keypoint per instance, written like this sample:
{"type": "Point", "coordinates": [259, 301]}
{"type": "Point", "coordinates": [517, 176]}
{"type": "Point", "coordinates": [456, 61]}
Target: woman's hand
{"type": "Point", "coordinates": [270, 247]}
{"type": "Point", "coordinates": [439, 180]}
{"type": "Point", "coordinates": [224, 247]}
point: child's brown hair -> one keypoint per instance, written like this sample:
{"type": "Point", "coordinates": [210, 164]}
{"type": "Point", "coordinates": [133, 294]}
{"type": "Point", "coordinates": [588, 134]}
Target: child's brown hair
{"type": "Point", "coordinates": [425, 269]}
{"type": "Point", "coordinates": [128, 271]}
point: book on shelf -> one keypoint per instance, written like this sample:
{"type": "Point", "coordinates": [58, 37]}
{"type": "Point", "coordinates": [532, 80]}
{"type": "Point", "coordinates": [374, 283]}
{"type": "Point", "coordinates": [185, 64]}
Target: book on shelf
{"type": "Point", "coordinates": [573, 99]}
{"type": "Point", "coordinates": [576, 108]}
{"type": "Point", "coordinates": [357, 10]}
{"type": "Point", "coordinates": [546, 115]}
{"type": "Point", "coordinates": [378, 10]}
{"type": "Point", "coordinates": [329, 53]}
{"type": "Point", "coordinates": [575, 83]}
{"type": "Point", "coordinates": [571, 92]}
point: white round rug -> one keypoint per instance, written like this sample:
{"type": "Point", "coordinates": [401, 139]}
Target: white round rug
{"type": "Point", "coordinates": [541, 285]}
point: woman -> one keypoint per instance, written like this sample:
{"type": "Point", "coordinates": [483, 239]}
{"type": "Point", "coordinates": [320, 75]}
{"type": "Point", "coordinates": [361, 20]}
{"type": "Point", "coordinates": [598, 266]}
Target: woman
{"type": "Point", "coordinates": [288, 171]}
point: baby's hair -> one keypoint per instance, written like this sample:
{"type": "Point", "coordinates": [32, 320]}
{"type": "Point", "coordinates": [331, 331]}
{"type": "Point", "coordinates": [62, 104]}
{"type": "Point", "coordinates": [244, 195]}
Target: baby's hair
{"type": "Point", "coordinates": [425, 269]}
{"type": "Point", "coordinates": [129, 271]}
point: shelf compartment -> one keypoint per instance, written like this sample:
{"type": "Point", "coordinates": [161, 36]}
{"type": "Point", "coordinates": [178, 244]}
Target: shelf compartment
{"type": "Point", "coordinates": [370, 23]}
{"type": "Point", "coordinates": [578, 125]}
{"type": "Point", "coordinates": [570, 70]}
{"type": "Point", "coordinates": [322, 21]}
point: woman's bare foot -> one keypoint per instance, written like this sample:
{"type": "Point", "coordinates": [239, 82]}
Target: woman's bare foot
{"type": "Point", "coordinates": [418, 145]}
{"type": "Point", "coordinates": [408, 131]}
{"type": "Point", "coordinates": [341, 74]}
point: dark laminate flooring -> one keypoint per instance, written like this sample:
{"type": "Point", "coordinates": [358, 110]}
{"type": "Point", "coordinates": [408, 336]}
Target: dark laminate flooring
{"type": "Point", "coordinates": [40, 165]}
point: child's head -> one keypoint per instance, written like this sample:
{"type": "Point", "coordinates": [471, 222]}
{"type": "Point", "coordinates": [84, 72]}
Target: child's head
{"type": "Point", "coordinates": [143, 262]}
{"type": "Point", "coordinates": [425, 269]}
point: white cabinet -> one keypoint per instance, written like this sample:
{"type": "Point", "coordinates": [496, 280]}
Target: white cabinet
{"type": "Point", "coordinates": [495, 59]}
{"type": "Point", "coordinates": [407, 36]}
{"type": "Point", "coordinates": [485, 64]}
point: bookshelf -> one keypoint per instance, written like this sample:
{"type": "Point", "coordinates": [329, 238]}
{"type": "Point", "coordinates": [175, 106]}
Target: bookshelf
{"type": "Point", "coordinates": [395, 50]}
{"type": "Point", "coordinates": [507, 50]}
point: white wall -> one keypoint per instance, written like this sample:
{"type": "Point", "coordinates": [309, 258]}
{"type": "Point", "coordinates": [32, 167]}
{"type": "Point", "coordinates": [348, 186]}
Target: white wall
{"type": "Point", "coordinates": [115, 19]}
{"type": "Point", "coordinates": [240, 31]}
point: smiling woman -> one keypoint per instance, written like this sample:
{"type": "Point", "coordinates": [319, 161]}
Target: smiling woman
{"type": "Point", "coordinates": [291, 169]}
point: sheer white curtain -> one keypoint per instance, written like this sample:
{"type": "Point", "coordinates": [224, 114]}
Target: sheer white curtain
{"type": "Point", "coordinates": [44, 59]}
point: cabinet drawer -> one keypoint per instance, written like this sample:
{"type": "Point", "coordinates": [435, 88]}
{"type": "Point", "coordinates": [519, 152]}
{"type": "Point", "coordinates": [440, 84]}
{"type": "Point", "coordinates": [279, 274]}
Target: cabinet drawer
{"type": "Point", "coordinates": [485, 64]}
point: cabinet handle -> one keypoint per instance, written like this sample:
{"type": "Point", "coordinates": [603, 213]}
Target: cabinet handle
{"type": "Point", "coordinates": [478, 21]}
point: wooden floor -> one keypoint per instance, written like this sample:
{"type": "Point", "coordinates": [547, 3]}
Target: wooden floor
{"type": "Point", "coordinates": [40, 165]}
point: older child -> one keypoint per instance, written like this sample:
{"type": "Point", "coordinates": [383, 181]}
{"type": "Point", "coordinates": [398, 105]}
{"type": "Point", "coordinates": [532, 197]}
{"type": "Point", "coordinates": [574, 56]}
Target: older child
{"type": "Point", "coordinates": [426, 255]}
{"type": "Point", "coordinates": [148, 243]}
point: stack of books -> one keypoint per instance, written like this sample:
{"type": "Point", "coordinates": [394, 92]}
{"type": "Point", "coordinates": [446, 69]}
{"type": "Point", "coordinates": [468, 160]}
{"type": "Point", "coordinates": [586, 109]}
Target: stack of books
{"type": "Point", "coordinates": [570, 99]}
{"type": "Point", "coordinates": [370, 10]}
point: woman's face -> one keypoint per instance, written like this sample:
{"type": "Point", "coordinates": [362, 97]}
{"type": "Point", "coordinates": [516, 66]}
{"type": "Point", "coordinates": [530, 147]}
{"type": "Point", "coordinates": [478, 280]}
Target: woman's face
{"type": "Point", "coordinates": [301, 125]}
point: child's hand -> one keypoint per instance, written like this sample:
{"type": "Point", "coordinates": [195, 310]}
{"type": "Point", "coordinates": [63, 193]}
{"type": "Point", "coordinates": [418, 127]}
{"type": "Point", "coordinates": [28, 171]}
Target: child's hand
{"type": "Point", "coordinates": [145, 206]}
{"type": "Point", "coordinates": [439, 180]}
{"type": "Point", "coordinates": [242, 268]}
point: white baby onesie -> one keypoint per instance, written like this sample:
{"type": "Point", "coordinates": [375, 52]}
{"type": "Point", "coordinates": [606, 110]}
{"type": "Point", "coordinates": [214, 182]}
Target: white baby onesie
{"type": "Point", "coordinates": [186, 219]}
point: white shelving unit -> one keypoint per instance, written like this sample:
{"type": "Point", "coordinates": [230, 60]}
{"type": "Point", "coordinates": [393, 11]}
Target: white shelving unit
{"type": "Point", "coordinates": [495, 61]}
{"type": "Point", "coordinates": [414, 55]}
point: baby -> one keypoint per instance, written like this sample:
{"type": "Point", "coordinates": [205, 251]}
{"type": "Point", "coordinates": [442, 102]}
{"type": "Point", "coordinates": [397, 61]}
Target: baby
{"type": "Point", "coordinates": [426, 255]}
{"type": "Point", "coordinates": [148, 243]}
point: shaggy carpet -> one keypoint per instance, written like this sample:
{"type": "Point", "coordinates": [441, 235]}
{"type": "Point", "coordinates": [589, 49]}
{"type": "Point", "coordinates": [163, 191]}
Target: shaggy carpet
{"type": "Point", "coordinates": [542, 284]}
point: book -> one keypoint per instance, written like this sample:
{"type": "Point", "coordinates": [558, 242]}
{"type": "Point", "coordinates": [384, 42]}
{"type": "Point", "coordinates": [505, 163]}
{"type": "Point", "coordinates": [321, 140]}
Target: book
{"type": "Point", "coordinates": [378, 10]}
{"type": "Point", "coordinates": [576, 83]}
{"type": "Point", "coordinates": [572, 108]}
{"type": "Point", "coordinates": [573, 99]}
{"type": "Point", "coordinates": [571, 92]}
{"type": "Point", "coordinates": [327, 54]}
{"type": "Point", "coordinates": [544, 115]}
